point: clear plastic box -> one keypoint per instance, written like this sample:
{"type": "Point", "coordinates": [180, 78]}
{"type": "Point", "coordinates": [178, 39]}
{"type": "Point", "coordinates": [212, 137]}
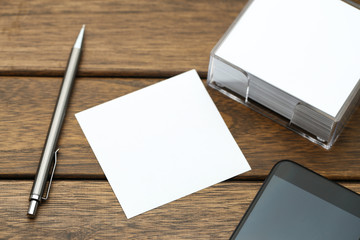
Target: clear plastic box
{"type": "Point", "coordinates": [284, 108]}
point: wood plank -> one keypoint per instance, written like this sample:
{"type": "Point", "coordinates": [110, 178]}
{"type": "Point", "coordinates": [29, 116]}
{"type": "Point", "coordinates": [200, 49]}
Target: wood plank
{"type": "Point", "coordinates": [123, 38]}
{"type": "Point", "coordinates": [89, 210]}
{"type": "Point", "coordinates": [26, 108]}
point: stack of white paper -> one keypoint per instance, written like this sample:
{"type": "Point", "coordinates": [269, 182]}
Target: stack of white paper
{"type": "Point", "coordinates": [298, 58]}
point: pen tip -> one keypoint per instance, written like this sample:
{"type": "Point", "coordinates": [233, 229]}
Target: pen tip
{"type": "Point", "coordinates": [78, 42]}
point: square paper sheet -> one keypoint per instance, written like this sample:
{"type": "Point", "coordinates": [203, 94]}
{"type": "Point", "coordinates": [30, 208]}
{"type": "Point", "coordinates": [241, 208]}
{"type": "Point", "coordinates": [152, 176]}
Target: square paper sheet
{"type": "Point", "coordinates": [161, 143]}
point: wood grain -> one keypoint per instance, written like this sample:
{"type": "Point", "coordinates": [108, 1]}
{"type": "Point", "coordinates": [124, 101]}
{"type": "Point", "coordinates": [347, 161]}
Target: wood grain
{"type": "Point", "coordinates": [128, 45]}
{"type": "Point", "coordinates": [90, 210]}
{"type": "Point", "coordinates": [27, 103]}
{"type": "Point", "coordinates": [123, 38]}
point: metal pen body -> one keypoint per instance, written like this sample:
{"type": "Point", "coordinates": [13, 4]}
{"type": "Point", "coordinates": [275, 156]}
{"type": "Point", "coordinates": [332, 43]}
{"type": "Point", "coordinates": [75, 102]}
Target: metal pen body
{"type": "Point", "coordinates": [55, 127]}
{"type": "Point", "coordinates": [48, 153]}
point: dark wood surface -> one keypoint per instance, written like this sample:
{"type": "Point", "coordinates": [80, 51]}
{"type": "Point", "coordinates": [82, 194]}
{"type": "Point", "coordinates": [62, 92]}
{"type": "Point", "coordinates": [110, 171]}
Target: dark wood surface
{"type": "Point", "coordinates": [123, 38]}
{"type": "Point", "coordinates": [128, 45]}
{"type": "Point", "coordinates": [28, 109]}
{"type": "Point", "coordinates": [89, 210]}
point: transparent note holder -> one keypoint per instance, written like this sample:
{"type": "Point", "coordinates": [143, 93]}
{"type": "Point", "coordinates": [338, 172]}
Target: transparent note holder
{"type": "Point", "coordinates": [302, 117]}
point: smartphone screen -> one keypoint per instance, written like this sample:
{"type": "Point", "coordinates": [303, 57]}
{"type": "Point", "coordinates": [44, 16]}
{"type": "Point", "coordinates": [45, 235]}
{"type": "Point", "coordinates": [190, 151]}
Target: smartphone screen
{"type": "Point", "coordinates": [295, 203]}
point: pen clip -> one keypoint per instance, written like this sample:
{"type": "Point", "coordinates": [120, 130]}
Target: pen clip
{"type": "Point", "coordinates": [51, 178]}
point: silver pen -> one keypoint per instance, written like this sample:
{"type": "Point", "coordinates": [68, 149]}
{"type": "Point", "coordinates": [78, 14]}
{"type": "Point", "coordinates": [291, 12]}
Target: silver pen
{"type": "Point", "coordinates": [48, 158]}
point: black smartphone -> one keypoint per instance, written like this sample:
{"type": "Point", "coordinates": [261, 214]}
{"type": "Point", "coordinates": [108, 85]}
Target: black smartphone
{"type": "Point", "coordinates": [297, 203]}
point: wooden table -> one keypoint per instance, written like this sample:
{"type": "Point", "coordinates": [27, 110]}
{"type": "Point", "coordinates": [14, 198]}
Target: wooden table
{"type": "Point", "coordinates": [128, 45]}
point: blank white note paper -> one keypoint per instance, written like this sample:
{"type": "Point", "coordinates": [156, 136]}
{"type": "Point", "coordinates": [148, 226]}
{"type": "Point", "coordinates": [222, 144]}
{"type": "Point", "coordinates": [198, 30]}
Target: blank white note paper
{"type": "Point", "coordinates": [161, 143]}
{"type": "Point", "coordinates": [307, 48]}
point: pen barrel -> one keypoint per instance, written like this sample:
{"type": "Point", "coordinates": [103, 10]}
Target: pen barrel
{"type": "Point", "coordinates": [47, 156]}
